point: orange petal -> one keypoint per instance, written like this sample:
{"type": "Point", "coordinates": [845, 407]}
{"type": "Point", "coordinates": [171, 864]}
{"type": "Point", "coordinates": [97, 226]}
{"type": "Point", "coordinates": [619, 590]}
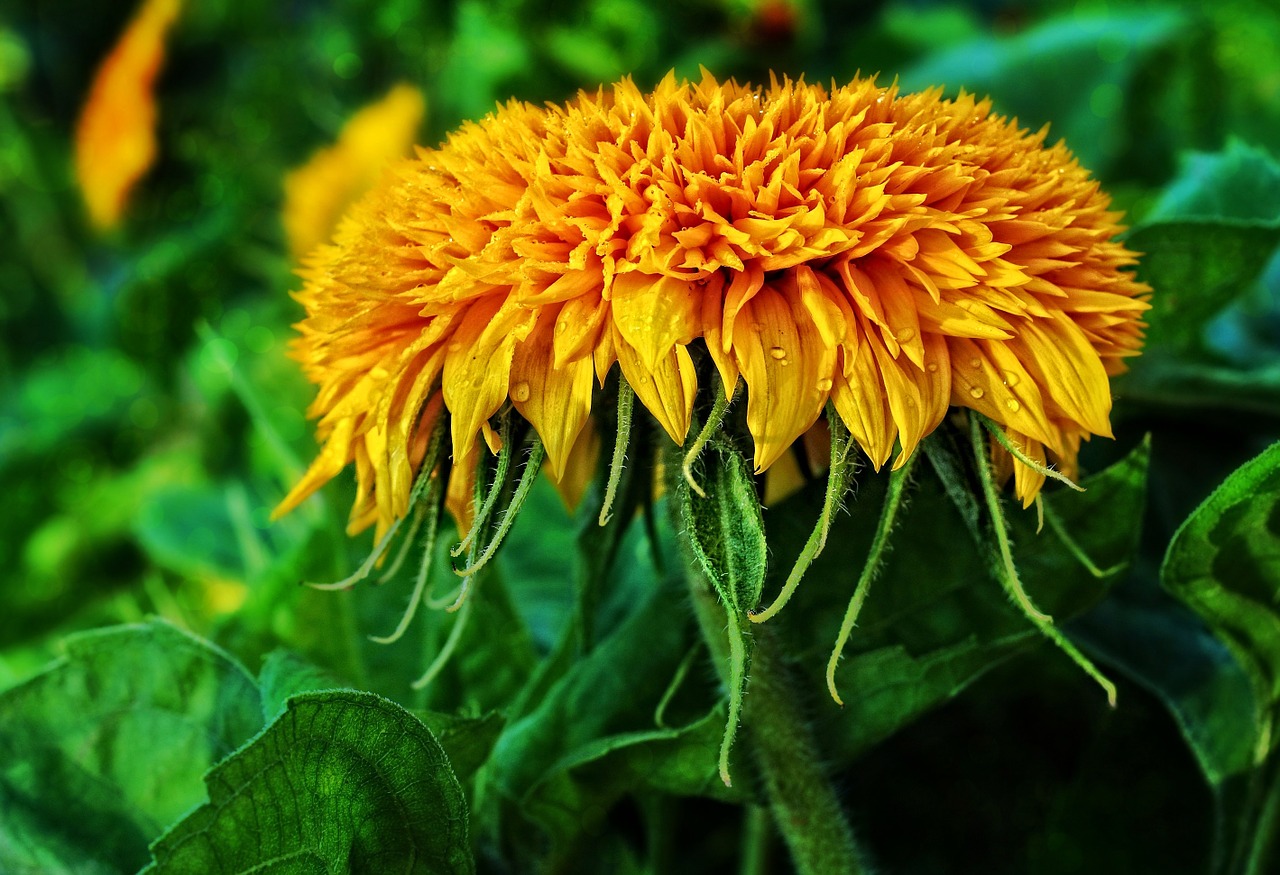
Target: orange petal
{"type": "Point", "coordinates": [116, 133]}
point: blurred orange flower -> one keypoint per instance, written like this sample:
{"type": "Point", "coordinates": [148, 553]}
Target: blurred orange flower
{"type": "Point", "coordinates": [115, 136]}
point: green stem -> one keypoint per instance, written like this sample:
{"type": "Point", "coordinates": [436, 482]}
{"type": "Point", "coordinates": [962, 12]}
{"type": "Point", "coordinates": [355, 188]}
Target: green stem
{"type": "Point", "coordinates": [755, 842]}
{"type": "Point", "coordinates": [1264, 811]}
{"type": "Point", "coordinates": [802, 800]}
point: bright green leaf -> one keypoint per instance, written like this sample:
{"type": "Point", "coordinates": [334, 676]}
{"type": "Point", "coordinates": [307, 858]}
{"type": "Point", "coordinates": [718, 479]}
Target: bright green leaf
{"type": "Point", "coordinates": [340, 782]}
{"type": "Point", "coordinates": [106, 747]}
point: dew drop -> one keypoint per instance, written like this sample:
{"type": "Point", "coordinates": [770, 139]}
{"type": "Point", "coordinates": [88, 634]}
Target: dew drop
{"type": "Point", "coordinates": [562, 327]}
{"type": "Point", "coordinates": [1010, 378]}
{"type": "Point", "coordinates": [520, 392]}
{"type": "Point", "coordinates": [778, 353]}
{"type": "Point", "coordinates": [977, 392]}
{"type": "Point", "coordinates": [976, 364]}
{"type": "Point", "coordinates": [824, 385]}
{"type": "Point", "coordinates": [1013, 405]}
{"type": "Point", "coordinates": [905, 335]}
{"type": "Point", "coordinates": [932, 367]}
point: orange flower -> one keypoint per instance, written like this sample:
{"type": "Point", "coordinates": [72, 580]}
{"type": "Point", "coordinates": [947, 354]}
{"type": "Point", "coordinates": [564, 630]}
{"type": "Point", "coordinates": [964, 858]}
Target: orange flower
{"type": "Point", "coordinates": [317, 193]}
{"type": "Point", "coordinates": [115, 137]}
{"type": "Point", "coordinates": [895, 255]}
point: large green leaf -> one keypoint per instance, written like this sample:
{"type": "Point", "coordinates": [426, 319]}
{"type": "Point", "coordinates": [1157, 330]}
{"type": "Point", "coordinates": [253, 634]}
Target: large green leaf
{"type": "Point", "coordinates": [1072, 72]}
{"type": "Point", "coordinates": [580, 745]}
{"type": "Point", "coordinates": [342, 781]}
{"type": "Point", "coordinates": [108, 746]}
{"type": "Point", "coordinates": [935, 619]}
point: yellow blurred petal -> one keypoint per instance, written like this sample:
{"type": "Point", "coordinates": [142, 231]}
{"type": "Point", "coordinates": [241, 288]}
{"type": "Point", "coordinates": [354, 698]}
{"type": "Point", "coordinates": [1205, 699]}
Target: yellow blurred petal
{"type": "Point", "coordinates": [116, 136]}
{"type": "Point", "coordinates": [317, 193]}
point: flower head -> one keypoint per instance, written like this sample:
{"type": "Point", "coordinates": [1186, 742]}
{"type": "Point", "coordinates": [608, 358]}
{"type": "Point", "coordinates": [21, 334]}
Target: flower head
{"type": "Point", "coordinates": [894, 255]}
{"type": "Point", "coordinates": [115, 136]}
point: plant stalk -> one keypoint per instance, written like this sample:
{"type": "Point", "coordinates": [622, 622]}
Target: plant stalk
{"type": "Point", "coordinates": [802, 800]}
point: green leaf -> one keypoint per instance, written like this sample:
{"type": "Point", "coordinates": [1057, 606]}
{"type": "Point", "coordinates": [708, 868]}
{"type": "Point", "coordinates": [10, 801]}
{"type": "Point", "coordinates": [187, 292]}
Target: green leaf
{"type": "Point", "coordinates": [108, 746]}
{"type": "Point", "coordinates": [1240, 183]}
{"type": "Point", "coordinates": [284, 675]}
{"type": "Point", "coordinates": [340, 782]}
{"type": "Point", "coordinates": [554, 763]}
{"type": "Point", "coordinates": [1222, 563]}
{"type": "Point", "coordinates": [1197, 268]}
{"type": "Point", "coordinates": [1073, 72]}
{"type": "Point", "coordinates": [931, 627]}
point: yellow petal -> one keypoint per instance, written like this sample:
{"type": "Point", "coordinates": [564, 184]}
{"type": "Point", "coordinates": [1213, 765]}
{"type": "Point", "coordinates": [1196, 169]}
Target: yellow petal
{"type": "Point", "coordinates": [654, 313]}
{"type": "Point", "coordinates": [918, 396]}
{"type": "Point", "coordinates": [713, 301]}
{"type": "Point", "coordinates": [788, 370]}
{"type": "Point", "coordinates": [115, 136]}
{"type": "Point", "coordinates": [556, 401]}
{"type": "Point", "coordinates": [477, 366]}
{"type": "Point", "coordinates": [988, 377]}
{"type": "Point", "coordinates": [1066, 365]}
{"type": "Point", "coordinates": [860, 400]}
{"type": "Point", "coordinates": [333, 457]}
{"type": "Point", "coordinates": [666, 391]}
{"type": "Point", "coordinates": [579, 468]}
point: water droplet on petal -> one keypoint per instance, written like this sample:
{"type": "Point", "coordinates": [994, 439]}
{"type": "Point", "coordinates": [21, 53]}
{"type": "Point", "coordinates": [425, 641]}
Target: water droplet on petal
{"type": "Point", "coordinates": [932, 367]}
{"type": "Point", "coordinates": [1010, 378]}
{"type": "Point", "coordinates": [778, 353]}
{"type": "Point", "coordinates": [520, 392]}
{"type": "Point", "coordinates": [976, 364]}
{"type": "Point", "coordinates": [824, 385]}
{"type": "Point", "coordinates": [905, 335]}
{"type": "Point", "coordinates": [1013, 405]}
{"type": "Point", "coordinates": [562, 326]}
{"type": "Point", "coordinates": [977, 392]}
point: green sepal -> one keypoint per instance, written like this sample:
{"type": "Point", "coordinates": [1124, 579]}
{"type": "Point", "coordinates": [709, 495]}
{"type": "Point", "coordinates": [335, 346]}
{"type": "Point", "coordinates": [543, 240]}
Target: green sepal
{"type": "Point", "coordinates": [725, 534]}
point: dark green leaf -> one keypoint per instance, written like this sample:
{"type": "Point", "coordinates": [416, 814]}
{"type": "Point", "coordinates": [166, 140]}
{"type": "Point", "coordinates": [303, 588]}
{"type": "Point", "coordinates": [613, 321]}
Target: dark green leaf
{"type": "Point", "coordinates": [1197, 268]}
{"type": "Point", "coordinates": [340, 782]}
{"type": "Point", "coordinates": [108, 746]}
{"type": "Point", "coordinates": [1072, 72]}
{"type": "Point", "coordinates": [930, 628]}
{"type": "Point", "coordinates": [1223, 564]}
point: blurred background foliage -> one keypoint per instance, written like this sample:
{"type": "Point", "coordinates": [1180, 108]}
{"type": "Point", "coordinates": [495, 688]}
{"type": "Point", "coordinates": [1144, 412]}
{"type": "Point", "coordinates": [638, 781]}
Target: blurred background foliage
{"type": "Point", "coordinates": [150, 420]}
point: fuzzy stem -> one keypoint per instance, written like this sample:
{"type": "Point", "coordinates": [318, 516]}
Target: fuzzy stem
{"type": "Point", "coordinates": [802, 800]}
